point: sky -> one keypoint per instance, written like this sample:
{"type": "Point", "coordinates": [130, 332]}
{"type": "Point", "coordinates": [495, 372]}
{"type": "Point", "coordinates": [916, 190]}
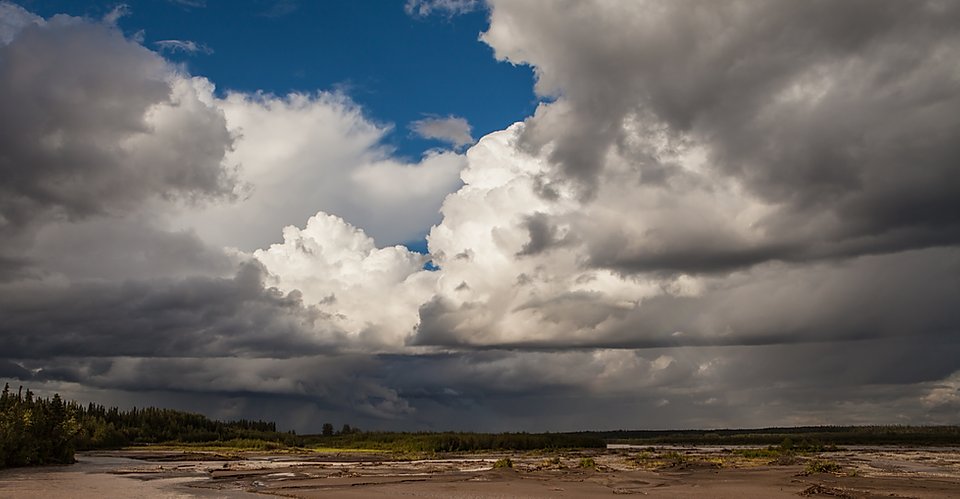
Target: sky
{"type": "Point", "coordinates": [485, 215]}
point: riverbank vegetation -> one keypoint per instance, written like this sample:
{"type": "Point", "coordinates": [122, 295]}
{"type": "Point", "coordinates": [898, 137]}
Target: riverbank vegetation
{"type": "Point", "coordinates": [809, 438]}
{"type": "Point", "coordinates": [36, 431]}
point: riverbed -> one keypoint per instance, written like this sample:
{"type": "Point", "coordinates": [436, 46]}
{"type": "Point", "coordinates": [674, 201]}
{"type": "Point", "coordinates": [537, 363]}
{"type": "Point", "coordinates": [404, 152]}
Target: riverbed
{"type": "Point", "coordinates": [668, 472]}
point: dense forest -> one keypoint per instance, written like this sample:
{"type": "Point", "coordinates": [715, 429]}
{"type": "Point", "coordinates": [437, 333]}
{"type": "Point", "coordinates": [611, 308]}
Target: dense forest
{"type": "Point", "coordinates": [455, 441]}
{"type": "Point", "coordinates": [35, 430]}
{"type": "Point", "coordinates": [816, 435]}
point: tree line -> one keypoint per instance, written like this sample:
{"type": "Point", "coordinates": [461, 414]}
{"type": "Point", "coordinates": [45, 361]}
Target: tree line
{"type": "Point", "coordinates": [435, 442]}
{"type": "Point", "coordinates": [36, 430]}
{"type": "Point", "coordinates": [945, 435]}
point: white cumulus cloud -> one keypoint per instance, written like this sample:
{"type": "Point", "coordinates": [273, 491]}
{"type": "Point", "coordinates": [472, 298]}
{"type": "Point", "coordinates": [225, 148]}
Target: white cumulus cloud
{"type": "Point", "coordinates": [371, 293]}
{"type": "Point", "coordinates": [304, 153]}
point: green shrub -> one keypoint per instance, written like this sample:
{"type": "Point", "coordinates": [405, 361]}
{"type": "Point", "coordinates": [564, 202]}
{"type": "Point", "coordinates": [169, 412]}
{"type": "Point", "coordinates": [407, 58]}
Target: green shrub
{"type": "Point", "coordinates": [759, 453]}
{"type": "Point", "coordinates": [786, 444]}
{"type": "Point", "coordinates": [588, 463]}
{"type": "Point", "coordinates": [503, 463]}
{"type": "Point", "coordinates": [822, 466]}
{"type": "Point", "coordinates": [674, 458]}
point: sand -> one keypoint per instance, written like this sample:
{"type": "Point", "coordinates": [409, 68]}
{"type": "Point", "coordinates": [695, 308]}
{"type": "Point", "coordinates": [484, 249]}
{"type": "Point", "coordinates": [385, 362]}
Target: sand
{"type": "Point", "coordinates": [662, 472]}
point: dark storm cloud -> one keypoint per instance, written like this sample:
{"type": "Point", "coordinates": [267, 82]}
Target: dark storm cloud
{"type": "Point", "coordinates": [513, 390]}
{"type": "Point", "coordinates": [125, 249]}
{"type": "Point", "coordinates": [98, 291]}
{"type": "Point", "coordinates": [13, 370]}
{"type": "Point", "coordinates": [843, 116]}
{"type": "Point", "coordinates": [93, 124]}
{"type": "Point", "coordinates": [498, 390]}
{"type": "Point", "coordinates": [714, 252]}
{"type": "Point", "coordinates": [906, 294]}
{"type": "Point", "coordinates": [192, 317]}
{"type": "Point", "coordinates": [882, 361]}
{"type": "Point", "coordinates": [351, 385]}
{"type": "Point", "coordinates": [14, 267]}
{"type": "Point", "coordinates": [836, 305]}
{"type": "Point", "coordinates": [680, 247]}
{"type": "Point", "coordinates": [773, 185]}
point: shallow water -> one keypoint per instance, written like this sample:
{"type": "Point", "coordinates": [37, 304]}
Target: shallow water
{"type": "Point", "coordinates": [876, 472]}
{"type": "Point", "coordinates": [92, 477]}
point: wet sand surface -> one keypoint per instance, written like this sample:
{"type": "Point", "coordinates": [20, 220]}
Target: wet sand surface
{"type": "Point", "coordinates": [96, 476]}
{"type": "Point", "coordinates": [665, 472]}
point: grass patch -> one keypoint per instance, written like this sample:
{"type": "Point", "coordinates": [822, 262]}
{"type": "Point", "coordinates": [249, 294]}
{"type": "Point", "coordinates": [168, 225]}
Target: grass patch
{"type": "Point", "coordinates": [333, 450]}
{"type": "Point", "coordinates": [237, 444]}
{"type": "Point", "coordinates": [768, 453]}
{"type": "Point", "coordinates": [673, 458]}
{"type": "Point", "coordinates": [822, 466]}
{"type": "Point", "coordinates": [553, 462]}
{"type": "Point", "coordinates": [588, 463]}
{"type": "Point", "coordinates": [457, 442]}
{"type": "Point", "coordinates": [503, 463]}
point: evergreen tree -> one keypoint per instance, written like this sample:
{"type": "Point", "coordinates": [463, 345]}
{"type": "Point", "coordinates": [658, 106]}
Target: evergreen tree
{"type": "Point", "coordinates": [36, 431]}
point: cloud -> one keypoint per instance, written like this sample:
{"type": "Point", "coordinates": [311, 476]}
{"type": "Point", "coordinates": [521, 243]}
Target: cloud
{"type": "Point", "coordinates": [78, 97]}
{"type": "Point", "coordinates": [309, 389]}
{"type": "Point", "coordinates": [708, 213]}
{"type": "Point", "coordinates": [278, 160]}
{"type": "Point", "coordinates": [280, 8]}
{"type": "Point", "coordinates": [339, 270]}
{"type": "Point", "coordinates": [119, 152]}
{"type": "Point", "coordinates": [116, 249]}
{"type": "Point", "coordinates": [114, 327]}
{"type": "Point", "coordinates": [449, 8]}
{"type": "Point", "coordinates": [508, 281]}
{"type": "Point", "coordinates": [185, 46]}
{"type": "Point", "coordinates": [115, 260]}
{"type": "Point", "coordinates": [452, 130]}
{"type": "Point", "coordinates": [190, 4]}
{"type": "Point", "coordinates": [944, 394]}
{"type": "Point", "coordinates": [119, 11]}
{"type": "Point", "coordinates": [304, 153]}
{"type": "Point", "coordinates": [199, 317]}
{"type": "Point", "coordinates": [13, 18]}
{"type": "Point", "coordinates": [513, 390]}
{"type": "Point", "coordinates": [828, 131]}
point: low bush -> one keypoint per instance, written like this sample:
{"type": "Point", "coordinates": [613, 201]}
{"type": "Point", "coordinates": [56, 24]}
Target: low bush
{"type": "Point", "coordinates": [822, 466]}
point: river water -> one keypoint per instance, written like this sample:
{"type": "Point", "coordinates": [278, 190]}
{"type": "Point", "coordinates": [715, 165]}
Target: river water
{"type": "Point", "coordinates": [94, 477]}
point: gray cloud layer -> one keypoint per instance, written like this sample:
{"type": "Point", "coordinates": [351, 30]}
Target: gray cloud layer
{"type": "Point", "coordinates": [92, 125]}
{"type": "Point", "coordinates": [727, 214]}
{"type": "Point", "coordinates": [194, 317]}
{"type": "Point", "coordinates": [838, 116]}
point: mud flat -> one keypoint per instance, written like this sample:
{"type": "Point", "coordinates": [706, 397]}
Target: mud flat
{"type": "Point", "coordinates": [666, 472]}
